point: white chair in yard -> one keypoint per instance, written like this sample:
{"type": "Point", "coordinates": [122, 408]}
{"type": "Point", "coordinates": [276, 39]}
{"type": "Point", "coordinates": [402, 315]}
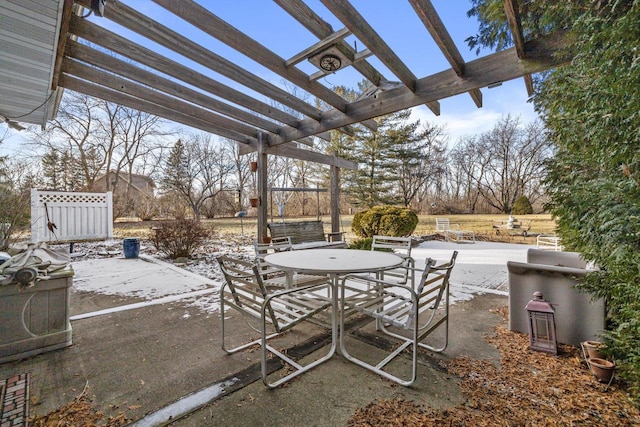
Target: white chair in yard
{"type": "Point", "coordinates": [400, 246]}
{"type": "Point", "coordinates": [274, 310]}
{"type": "Point", "coordinates": [408, 314]}
{"type": "Point", "coordinates": [442, 225]}
{"type": "Point", "coordinates": [452, 232]}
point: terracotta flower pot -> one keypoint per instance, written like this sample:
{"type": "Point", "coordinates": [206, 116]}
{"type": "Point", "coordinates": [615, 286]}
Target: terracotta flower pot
{"type": "Point", "coordinates": [592, 349]}
{"type": "Point", "coordinates": [266, 239]}
{"type": "Point", "coordinates": [602, 369]}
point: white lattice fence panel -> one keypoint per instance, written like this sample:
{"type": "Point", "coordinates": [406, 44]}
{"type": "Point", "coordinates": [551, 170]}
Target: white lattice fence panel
{"type": "Point", "coordinates": [76, 216]}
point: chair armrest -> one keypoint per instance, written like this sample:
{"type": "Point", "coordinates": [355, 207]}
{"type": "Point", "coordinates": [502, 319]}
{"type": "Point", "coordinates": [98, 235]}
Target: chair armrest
{"type": "Point", "coordinates": [386, 284]}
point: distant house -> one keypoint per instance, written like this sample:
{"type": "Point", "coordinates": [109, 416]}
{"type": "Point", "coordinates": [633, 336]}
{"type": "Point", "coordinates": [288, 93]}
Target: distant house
{"type": "Point", "coordinates": [140, 199]}
{"type": "Point", "coordinates": [139, 185]}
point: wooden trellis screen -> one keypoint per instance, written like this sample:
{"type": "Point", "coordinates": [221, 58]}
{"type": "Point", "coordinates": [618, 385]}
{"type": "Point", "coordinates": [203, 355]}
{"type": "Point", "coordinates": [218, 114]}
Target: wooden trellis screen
{"type": "Point", "coordinates": [67, 216]}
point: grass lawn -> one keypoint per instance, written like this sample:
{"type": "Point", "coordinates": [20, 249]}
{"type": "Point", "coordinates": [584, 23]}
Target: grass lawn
{"type": "Point", "coordinates": [481, 224]}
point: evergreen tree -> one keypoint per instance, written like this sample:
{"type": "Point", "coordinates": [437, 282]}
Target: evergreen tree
{"type": "Point", "coordinates": [51, 173]}
{"type": "Point", "coordinates": [592, 110]}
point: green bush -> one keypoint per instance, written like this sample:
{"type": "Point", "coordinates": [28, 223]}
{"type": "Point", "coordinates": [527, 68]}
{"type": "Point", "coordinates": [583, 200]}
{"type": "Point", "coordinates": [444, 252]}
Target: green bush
{"type": "Point", "coordinates": [522, 206]}
{"type": "Point", "coordinates": [364, 244]}
{"type": "Point", "coordinates": [385, 221]}
{"type": "Point", "coordinates": [179, 238]}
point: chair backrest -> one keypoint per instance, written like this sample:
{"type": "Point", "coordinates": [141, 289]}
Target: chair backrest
{"type": "Point", "coordinates": [245, 286]}
{"type": "Point", "coordinates": [278, 244]}
{"type": "Point", "coordinates": [245, 290]}
{"type": "Point", "coordinates": [442, 224]}
{"type": "Point", "coordinates": [400, 246]}
{"type": "Point", "coordinates": [434, 284]}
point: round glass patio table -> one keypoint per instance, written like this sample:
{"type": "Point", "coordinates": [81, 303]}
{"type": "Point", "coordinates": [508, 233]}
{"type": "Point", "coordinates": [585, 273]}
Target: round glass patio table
{"type": "Point", "coordinates": [333, 262]}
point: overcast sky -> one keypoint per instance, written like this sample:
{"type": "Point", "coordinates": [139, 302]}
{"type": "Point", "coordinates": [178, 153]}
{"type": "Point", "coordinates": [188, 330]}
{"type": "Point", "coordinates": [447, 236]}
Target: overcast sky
{"type": "Point", "coordinates": [394, 20]}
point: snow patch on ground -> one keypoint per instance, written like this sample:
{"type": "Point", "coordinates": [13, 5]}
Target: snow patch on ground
{"type": "Point", "coordinates": [479, 266]}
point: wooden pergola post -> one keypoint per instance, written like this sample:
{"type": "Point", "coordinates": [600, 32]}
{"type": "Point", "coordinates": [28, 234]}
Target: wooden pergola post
{"type": "Point", "coordinates": [335, 199]}
{"type": "Point", "coordinates": [262, 189]}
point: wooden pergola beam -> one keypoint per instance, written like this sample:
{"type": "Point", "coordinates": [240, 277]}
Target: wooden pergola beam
{"type": "Point", "coordinates": [114, 66]}
{"type": "Point", "coordinates": [83, 86]}
{"type": "Point", "coordinates": [322, 29]}
{"type": "Point", "coordinates": [500, 66]}
{"type": "Point", "coordinates": [206, 21]}
{"type": "Point", "coordinates": [528, 82]}
{"type": "Point", "coordinates": [352, 19]}
{"type": "Point", "coordinates": [122, 46]}
{"type": "Point", "coordinates": [67, 12]}
{"type": "Point", "coordinates": [72, 67]}
{"type": "Point", "coordinates": [141, 24]}
{"type": "Point", "coordinates": [431, 20]}
{"type": "Point", "coordinates": [515, 24]}
{"type": "Point", "coordinates": [513, 17]}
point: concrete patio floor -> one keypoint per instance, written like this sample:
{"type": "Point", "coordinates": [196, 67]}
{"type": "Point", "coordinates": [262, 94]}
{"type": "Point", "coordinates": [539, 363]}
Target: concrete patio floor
{"type": "Point", "coordinates": [155, 360]}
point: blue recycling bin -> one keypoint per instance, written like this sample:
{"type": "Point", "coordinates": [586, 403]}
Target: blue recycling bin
{"type": "Point", "coordinates": [131, 247]}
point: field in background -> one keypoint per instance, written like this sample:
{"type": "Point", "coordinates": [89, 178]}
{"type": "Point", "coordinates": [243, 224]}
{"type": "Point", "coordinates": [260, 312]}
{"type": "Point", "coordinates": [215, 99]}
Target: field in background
{"type": "Point", "coordinates": [480, 224]}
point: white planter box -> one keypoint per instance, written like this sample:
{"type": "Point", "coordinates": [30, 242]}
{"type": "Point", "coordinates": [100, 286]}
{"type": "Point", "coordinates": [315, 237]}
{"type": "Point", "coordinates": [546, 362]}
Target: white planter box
{"type": "Point", "coordinates": [36, 319]}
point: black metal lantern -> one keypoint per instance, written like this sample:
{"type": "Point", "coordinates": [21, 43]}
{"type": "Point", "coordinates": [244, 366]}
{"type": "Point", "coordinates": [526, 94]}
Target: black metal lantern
{"type": "Point", "coordinates": [542, 325]}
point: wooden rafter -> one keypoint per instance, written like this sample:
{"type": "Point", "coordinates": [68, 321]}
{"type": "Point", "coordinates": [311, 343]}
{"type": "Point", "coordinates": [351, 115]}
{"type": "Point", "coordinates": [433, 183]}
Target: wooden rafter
{"type": "Point", "coordinates": [118, 97]}
{"type": "Point", "coordinates": [515, 23]}
{"type": "Point", "coordinates": [350, 17]}
{"type": "Point", "coordinates": [500, 66]}
{"type": "Point", "coordinates": [164, 36]}
{"type": "Point", "coordinates": [513, 17]}
{"type": "Point", "coordinates": [114, 66]}
{"type": "Point", "coordinates": [218, 28]}
{"type": "Point", "coordinates": [359, 26]}
{"type": "Point", "coordinates": [322, 29]}
{"type": "Point", "coordinates": [528, 82]}
{"type": "Point", "coordinates": [72, 67]}
{"type": "Point", "coordinates": [287, 150]}
{"type": "Point", "coordinates": [122, 46]}
{"type": "Point", "coordinates": [67, 12]}
{"type": "Point", "coordinates": [431, 20]}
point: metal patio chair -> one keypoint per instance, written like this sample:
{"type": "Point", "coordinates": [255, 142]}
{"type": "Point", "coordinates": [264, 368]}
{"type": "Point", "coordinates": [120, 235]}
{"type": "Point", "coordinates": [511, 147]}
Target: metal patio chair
{"type": "Point", "coordinates": [278, 278]}
{"type": "Point", "coordinates": [401, 311]}
{"type": "Point", "coordinates": [276, 310]}
{"type": "Point", "coordinates": [278, 244]}
{"type": "Point", "coordinates": [401, 246]}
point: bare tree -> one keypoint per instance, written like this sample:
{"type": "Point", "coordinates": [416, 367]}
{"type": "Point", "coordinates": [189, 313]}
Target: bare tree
{"type": "Point", "coordinates": [99, 136]}
{"type": "Point", "coordinates": [196, 170]}
{"type": "Point", "coordinates": [504, 163]}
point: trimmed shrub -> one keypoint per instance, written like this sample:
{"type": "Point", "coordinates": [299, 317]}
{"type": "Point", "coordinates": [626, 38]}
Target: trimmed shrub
{"type": "Point", "coordinates": [385, 221]}
{"type": "Point", "coordinates": [364, 244]}
{"type": "Point", "coordinates": [179, 238]}
{"type": "Point", "coordinates": [522, 206]}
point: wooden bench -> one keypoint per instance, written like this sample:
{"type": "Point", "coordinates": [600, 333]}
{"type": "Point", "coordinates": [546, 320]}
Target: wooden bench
{"type": "Point", "coordinates": [306, 235]}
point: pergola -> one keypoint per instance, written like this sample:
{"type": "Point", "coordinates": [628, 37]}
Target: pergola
{"type": "Point", "coordinates": [51, 45]}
